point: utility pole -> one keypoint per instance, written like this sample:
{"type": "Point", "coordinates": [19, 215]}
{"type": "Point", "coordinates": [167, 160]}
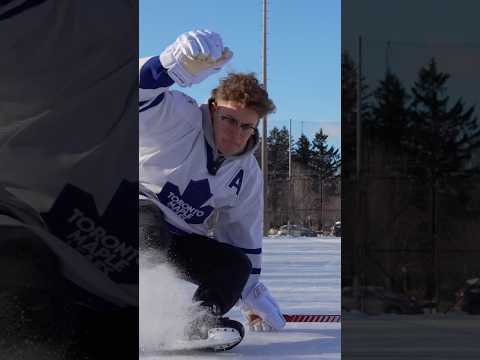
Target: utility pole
{"type": "Point", "coordinates": [387, 58]}
{"type": "Point", "coordinates": [359, 110]}
{"type": "Point", "coordinates": [290, 150]}
{"type": "Point", "coordinates": [289, 206]}
{"type": "Point", "coordinates": [359, 242]}
{"type": "Point", "coordinates": [264, 123]}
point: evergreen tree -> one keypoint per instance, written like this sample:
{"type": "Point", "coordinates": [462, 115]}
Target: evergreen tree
{"type": "Point", "coordinates": [302, 152]}
{"type": "Point", "coordinates": [390, 111]}
{"type": "Point", "coordinates": [277, 203]}
{"type": "Point", "coordinates": [439, 140]}
{"type": "Point", "coordinates": [325, 159]}
{"type": "Point", "coordinates": [439, 135]}
{"type": "Point", "coordinates": [278, 143]}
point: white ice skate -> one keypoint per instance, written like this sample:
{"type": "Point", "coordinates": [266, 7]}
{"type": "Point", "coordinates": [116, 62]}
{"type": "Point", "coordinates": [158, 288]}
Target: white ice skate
{"type": "Point", "coordinates": [221, 335]}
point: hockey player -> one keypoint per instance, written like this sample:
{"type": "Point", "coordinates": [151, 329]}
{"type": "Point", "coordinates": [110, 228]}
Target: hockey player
{"type": "Point", "coordinates": [197, 161]}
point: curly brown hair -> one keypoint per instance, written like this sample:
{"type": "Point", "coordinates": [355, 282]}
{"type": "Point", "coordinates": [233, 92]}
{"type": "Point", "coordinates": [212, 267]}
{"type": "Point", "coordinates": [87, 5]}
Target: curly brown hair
{"type": "Point", "coordinates": [244, 88]}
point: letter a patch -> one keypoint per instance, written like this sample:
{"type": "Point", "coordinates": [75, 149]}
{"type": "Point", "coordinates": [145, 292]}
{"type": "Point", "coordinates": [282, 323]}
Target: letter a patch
{"type": "Point", "coordinates": [237, 181]}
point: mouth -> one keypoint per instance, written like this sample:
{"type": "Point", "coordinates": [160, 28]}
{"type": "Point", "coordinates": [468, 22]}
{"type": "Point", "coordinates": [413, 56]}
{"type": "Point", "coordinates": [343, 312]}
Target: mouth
{"type": "Point", "coordinates": [231, 142]}
{"type": "Point", "coordinates": [231, 146]}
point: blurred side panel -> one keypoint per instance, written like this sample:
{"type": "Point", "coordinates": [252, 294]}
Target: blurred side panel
{"type": "Point", "coordinates": [68, 179]}
{"type": "Point", "coordinates": [410, 180]}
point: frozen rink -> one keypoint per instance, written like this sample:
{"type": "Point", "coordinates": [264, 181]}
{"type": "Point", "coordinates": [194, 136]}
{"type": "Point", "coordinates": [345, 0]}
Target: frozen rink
{"type": "Point", "coordinates": [304, 276]}
{"type": "Point", "coordinates": [399, 337]}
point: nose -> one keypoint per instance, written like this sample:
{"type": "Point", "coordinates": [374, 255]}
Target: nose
{"type": "Point", "coordinates": [235, 138]}
{"type": "Point", "coordinates": [235, 131]}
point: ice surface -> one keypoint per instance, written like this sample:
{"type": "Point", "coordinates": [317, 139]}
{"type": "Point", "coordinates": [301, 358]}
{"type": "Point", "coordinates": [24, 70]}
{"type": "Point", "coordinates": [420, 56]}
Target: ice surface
{"type": "Point", "coordinates": [302, 273]}
{"type": "Point", "coordinates": [400, 337]}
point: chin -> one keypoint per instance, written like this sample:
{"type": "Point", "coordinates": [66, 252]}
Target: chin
{"type": "Point", "coordinates": [229, 150]}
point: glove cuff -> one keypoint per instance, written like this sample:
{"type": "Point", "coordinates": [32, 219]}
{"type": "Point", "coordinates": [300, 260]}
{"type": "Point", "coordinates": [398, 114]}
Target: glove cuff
{"type": "Point", "coordinates": [174, 69]}
{"type": "Point", "coordinates": [180, 75]}
{"type": "Point", "coordinates": [259, 302]}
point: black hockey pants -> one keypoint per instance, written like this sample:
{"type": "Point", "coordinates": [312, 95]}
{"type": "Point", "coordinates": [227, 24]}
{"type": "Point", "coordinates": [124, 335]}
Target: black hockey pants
{"type": "Point", "coordinates": [220, 270]}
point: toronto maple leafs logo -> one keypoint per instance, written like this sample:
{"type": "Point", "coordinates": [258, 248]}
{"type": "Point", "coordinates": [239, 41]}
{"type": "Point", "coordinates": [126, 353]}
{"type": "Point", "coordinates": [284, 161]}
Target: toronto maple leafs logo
{"type": "Point", "coordinates": [188, 205]}
{"type": "Point", "coordinates": [110, 240]}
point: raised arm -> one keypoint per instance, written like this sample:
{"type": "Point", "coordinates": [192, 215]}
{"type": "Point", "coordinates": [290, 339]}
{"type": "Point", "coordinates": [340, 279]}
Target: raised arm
{"type": "Point", "coordinates": [190, 59]}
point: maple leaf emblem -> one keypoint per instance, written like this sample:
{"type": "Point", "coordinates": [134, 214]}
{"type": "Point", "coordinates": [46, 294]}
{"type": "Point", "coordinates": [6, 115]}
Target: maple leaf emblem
{"type": "Point", "coordinates": [189, 205]}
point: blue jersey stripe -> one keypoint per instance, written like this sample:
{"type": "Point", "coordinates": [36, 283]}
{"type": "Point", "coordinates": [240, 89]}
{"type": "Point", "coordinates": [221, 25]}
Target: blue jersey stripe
{"type": "Point", "coordinates": [153, 75]}
{"type": "Point", "coordinates": [156, 101]}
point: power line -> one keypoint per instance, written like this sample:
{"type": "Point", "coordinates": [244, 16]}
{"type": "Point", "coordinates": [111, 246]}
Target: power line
{"type": "Point", "coordinates": [420, 44]}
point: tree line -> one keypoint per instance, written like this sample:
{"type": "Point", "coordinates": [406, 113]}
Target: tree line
{"type": "Point", "coordinates": [299, 191]}
{"type": "Point", "coordinates": [438, 134]}
{"type": "Point", "coordinates": [417, 196]}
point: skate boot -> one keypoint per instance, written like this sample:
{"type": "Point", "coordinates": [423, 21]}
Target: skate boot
{"type": "Point", "coordinates": [215, 333]}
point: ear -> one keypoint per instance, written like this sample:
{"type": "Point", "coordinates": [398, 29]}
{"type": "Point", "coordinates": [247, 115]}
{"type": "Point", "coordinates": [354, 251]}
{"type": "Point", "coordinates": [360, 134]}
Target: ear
{"type": "Point", "coordinates": [212, 104]}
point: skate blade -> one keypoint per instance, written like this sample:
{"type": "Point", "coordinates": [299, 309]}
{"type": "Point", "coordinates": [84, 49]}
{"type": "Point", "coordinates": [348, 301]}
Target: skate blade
{"type": "Point", "coordinates": [219, 339]}
{"type": "Point", "coordinates": [226, 338]}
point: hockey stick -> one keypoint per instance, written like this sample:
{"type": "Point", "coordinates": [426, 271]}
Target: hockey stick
{"type": "Point", "coordinates": [311, 318]}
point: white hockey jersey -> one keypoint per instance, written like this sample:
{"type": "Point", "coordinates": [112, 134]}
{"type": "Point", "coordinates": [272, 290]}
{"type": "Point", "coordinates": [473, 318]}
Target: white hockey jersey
{"type": "Point", "coordinates": [182, 172]}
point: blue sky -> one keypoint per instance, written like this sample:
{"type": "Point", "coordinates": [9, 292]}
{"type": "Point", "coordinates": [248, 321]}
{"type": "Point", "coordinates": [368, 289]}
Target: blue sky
{"type": "Point", "coordinates": [303, 52]}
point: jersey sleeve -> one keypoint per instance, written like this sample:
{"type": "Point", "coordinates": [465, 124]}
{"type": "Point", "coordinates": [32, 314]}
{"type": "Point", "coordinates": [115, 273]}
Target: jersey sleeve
{"type": "Point", "coordinates": [242, 224]}
{"type": "Point", "coordinates": [153, 81]}
{"type": "Point", "coordinates": [164, 114]}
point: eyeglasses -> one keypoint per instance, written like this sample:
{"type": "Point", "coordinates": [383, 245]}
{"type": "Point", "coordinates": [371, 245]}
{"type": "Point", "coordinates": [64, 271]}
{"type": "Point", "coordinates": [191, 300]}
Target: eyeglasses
{"type": "Point", "coordinates": [245, 129]}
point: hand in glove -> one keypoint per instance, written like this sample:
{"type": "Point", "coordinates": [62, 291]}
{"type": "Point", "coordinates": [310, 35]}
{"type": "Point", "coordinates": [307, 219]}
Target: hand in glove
{"type": "Point", "coordinates": [261, 310]}
{"type": "Point", "coordinates": [194, 56]}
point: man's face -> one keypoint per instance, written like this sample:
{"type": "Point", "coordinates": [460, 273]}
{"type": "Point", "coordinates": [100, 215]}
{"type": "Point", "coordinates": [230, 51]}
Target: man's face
{"type": "Point", "coordinates": [232, 125]}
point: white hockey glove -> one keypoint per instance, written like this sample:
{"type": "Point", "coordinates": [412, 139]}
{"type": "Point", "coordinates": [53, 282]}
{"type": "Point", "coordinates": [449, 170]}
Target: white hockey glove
{"type": "Point", "coordinates": [194, 56]}
{"type": "Point", "coordinates": [261, 310]}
